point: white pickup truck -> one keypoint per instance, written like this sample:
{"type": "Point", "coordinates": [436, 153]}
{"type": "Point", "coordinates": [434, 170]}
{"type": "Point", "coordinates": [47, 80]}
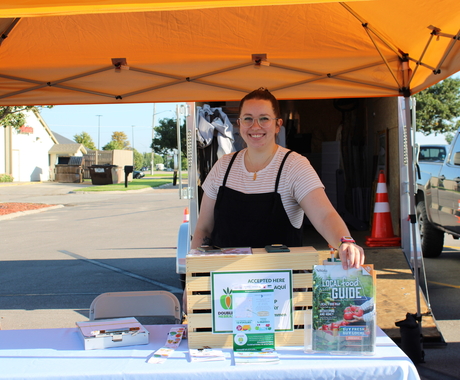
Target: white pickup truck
{"type": "Point", "coordinates": [438, 195]}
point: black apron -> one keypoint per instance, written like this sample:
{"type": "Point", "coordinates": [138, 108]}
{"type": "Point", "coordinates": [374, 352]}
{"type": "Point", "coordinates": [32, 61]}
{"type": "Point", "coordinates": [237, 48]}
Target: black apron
{"type": "Point", "coordinates": [252, 220]}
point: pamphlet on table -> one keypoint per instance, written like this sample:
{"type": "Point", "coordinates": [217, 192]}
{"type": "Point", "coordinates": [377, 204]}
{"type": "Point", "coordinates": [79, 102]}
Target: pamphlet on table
{"type": "Point", "coordinates": [215, 251]}
{"type": "Point", "coordinates": [206, 355]}
{"type": "Point", "coordinates": [344, 318]}
{"type": "Point", "coordinates": [253, 319]}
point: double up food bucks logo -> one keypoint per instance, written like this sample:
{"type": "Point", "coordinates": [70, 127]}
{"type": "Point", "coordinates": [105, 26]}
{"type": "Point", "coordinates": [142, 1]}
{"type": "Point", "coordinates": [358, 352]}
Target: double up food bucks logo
{"type": "Point", "coordinates": [226, 304]}
{"type": "Point", "coordinates": [226, 299]}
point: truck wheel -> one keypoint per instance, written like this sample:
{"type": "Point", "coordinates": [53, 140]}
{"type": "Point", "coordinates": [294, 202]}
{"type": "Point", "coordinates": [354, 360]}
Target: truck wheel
{"type": "Point", "coordinates": [432, 238]}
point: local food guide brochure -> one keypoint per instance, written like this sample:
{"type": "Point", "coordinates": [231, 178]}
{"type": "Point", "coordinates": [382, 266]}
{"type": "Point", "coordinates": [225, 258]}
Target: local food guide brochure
{"type": "Point", "coordinates": [344, 318]}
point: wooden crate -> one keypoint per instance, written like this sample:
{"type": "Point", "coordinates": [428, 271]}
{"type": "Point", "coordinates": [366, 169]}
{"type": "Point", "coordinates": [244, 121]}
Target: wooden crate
{"type": "Point", "coordinates": [198, 288]}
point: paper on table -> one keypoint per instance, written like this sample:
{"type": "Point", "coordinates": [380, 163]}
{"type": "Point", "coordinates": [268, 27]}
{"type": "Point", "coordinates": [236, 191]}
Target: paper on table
{"type": "Point", "coordinates": [230, 251]}
{"type": "Point", "coordinates": [205, 355]}
{"type": "Point", "coordinates": [173, 340]}
{"type": "Point", "coordinates": [260, 357]}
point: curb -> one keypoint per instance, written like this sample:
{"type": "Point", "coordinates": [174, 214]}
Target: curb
{"type": "Point", "coordinates": [23, 213]}
{"type": "Point", "coordinates": [5, 184]}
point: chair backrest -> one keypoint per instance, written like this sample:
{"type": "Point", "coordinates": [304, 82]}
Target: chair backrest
{"type": "Point", "coordinates": [162, 305]}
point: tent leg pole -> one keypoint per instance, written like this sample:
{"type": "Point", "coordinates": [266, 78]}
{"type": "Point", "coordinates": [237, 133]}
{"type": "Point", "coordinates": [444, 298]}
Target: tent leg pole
{"type": "Point", "coordinates": [410, 328]}
{"type": "Point", "coordinates": [412, 215]}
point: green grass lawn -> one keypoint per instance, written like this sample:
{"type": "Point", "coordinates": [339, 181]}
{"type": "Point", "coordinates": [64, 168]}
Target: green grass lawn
{"type": "Point", "coordinates": [156, 180]}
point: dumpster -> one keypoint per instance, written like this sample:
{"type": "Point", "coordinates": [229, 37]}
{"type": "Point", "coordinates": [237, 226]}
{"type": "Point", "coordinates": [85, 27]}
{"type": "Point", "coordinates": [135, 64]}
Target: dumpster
{"type": "Point", "coordinates": [68, 173]}
{"type": "Point", "coordinates": [105, 174]}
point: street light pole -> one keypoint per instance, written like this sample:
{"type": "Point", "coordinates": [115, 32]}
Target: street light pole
{"type": "Point", "coordinates": [98, 138]}
{"type": "Point", "coordinates": [132, 130]}
{"type": "Point", "coordinates": [153, 136]}
{"type": "Point", "coordinates": [99, 132]}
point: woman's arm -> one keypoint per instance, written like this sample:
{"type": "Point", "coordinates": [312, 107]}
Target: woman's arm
{"type": "Point", "coordinates": [205, 223]}
{"type": "Point", "coordinates": [331, 226]}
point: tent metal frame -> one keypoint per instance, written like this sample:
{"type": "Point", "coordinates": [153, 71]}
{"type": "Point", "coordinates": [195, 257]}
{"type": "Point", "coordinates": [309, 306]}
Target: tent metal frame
{"type": "Point", "coordinates": [257, 60]}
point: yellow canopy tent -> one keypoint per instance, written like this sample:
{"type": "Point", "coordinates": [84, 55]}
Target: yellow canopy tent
{"type": "Point", "coordinates": [119, 51]}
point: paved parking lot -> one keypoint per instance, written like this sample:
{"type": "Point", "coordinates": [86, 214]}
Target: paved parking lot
{"type": "Point", "coordinates": [54, 263]}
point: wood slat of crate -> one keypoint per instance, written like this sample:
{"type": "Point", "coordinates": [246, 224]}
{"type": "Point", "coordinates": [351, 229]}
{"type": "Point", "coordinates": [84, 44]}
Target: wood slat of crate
{"type": "Point", "coordinates": [198, 288]}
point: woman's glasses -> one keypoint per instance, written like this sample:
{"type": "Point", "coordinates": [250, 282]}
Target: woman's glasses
{"type": "Point", "coordinates": [248, 121]}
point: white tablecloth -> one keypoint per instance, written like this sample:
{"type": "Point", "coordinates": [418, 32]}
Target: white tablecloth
{"type": "Point", "coordinates": [59, 354]}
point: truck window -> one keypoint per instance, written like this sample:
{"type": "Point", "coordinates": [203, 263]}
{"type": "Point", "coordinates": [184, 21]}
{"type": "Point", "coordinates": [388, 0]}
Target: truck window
{"type": "Point", "coordinates": [455, 156]}
{"type": "Point", "coordinates": [432, 153]}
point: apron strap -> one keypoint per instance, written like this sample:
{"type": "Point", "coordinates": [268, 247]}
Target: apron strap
{"type": "Point", "coordinates": [229, 167]}
{"type": "Point", "coordinates": [280, 169]}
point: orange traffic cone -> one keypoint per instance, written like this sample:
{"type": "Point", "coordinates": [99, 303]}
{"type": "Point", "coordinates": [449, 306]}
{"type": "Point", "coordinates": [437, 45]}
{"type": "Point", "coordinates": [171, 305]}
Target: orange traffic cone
{"type": "Point", "coordinates": [382, 228]}
{"type": "Point", "coordinates": [186, 216]}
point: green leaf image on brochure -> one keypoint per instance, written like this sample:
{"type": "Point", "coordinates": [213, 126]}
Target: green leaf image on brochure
{"type": "Point", "coordinates": [344, 315]}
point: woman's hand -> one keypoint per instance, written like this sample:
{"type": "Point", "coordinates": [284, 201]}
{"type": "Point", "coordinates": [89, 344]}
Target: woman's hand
{"type": "Point", "coordinates": [351, 255]}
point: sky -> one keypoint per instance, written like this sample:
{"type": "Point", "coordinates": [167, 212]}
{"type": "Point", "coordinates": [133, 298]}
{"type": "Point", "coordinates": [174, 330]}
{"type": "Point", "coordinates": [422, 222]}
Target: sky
{"type": "Point", "coordinates": [135, 120]}
{"type": "Point", "coordinates": [431, 139]}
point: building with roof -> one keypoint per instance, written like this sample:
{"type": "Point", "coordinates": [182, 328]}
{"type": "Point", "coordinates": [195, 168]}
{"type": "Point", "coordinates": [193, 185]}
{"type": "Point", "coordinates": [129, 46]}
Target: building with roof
{"type": "Point", "coordinates": [31, 153]}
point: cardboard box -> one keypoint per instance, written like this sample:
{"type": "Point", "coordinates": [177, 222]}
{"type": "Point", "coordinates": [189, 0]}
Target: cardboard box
{"type": "Point", "coordinates": [117, 332]}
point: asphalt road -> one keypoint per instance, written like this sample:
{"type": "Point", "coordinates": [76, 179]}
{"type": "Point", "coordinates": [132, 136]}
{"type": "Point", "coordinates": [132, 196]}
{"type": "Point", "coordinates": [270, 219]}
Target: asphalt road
{"type": "Point", "coordinates": [443, 280]}
{"type": "Point", "coordinates": [55, 262]}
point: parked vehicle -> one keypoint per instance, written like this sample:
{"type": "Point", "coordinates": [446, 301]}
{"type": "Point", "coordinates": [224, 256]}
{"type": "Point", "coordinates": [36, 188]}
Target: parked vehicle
{"type": "Point", "coordinates": [433, 153]}
{"type": "Point", "coordinates": [138, 174]}
{"type": "Point", "coordinates": [438, 195]}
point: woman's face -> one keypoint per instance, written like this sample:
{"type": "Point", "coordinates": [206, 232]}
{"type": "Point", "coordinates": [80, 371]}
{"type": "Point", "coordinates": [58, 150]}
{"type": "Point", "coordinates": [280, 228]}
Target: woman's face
{"type": "Point", "coordinates": [257, 136]}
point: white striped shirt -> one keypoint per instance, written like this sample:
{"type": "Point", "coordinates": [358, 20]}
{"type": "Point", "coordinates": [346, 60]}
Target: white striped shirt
{"type": "Point", "coordinates": [298, 178]}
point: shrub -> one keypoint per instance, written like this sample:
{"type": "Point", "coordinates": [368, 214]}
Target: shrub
{"type": "Point", "coordinates": [6, 178]}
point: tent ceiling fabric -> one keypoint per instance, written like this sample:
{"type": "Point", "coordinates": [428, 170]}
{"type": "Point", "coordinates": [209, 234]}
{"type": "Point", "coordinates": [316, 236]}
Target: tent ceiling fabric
{"type": "Point", "coordinates": [201, 51]}
{"type": "Point", "coordinates": [32, 8]}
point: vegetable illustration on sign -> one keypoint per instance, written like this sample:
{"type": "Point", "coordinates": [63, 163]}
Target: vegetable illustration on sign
{"type": "Point", "coordinates": [226, 299]}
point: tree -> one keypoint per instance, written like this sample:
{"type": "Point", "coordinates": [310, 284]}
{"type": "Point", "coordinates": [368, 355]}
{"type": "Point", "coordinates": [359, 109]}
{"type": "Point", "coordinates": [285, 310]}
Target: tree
{"type": "Point", "coordinates": [138, 160]}
{"type": "Point", "coordinates": [119, 141]}
{"type": "Point", "coordinates": [85, 139]}
{"type": "Point", "coordinates": [449, 136]}
{"type": "Point", "coordinates": [166, 139]}
{"type": "Point", "coordinates": [113, 145]}
{"type": "Point", "coordinates": [121, 138]}
{"type": "Point", "coordinates": [148, 159]}
{"type": "Point", "coordinates": [15, 115]}
{"type": "Point", "coordinates": [438, 107]}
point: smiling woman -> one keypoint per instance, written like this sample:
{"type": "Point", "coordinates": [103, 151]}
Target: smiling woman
{"type": "Point", "coordinates": [271, 187]}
